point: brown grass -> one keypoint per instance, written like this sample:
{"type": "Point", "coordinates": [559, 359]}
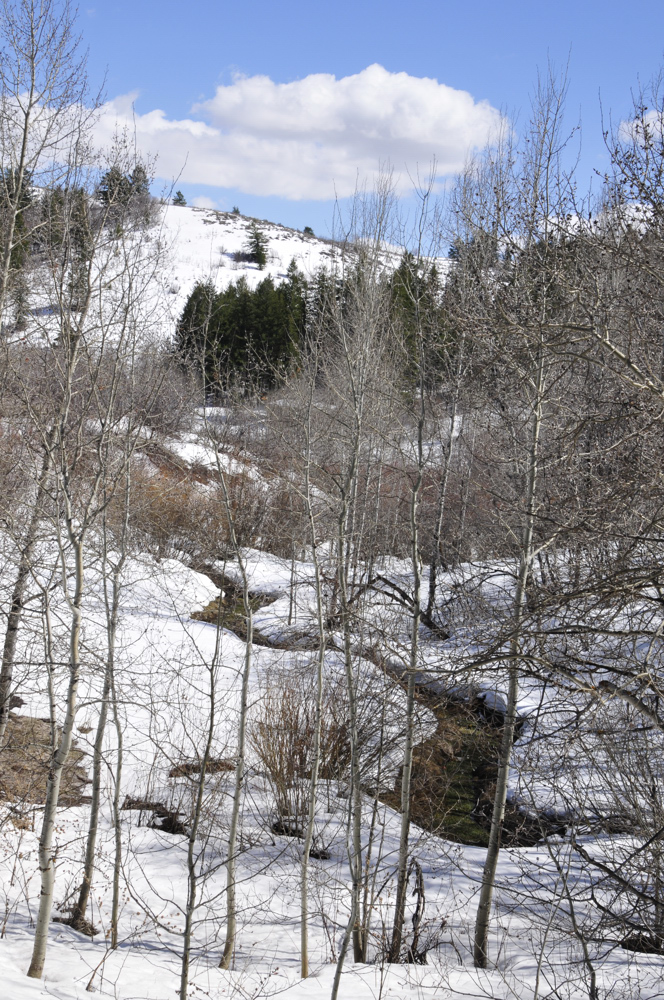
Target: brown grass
{"type": "Point", "coordinates": [24, 763]}
{"type": "Point", "coordinates": [191, 767]}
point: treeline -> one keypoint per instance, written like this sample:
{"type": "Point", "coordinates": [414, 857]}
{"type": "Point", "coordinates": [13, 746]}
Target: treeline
{"type": "Point", "coordinates": [242, 332]}
{"type": "Point", "coordinates": [242, 335]}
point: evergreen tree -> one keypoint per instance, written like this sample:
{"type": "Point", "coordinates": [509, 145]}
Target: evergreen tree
{"type": "Point", "coordinates": [10, 195]}
{"type": "Point", "coordinates": [294, 291]}
{"type": "Point", "coordinates": [114, 188]}
{"type": "Point", "coordinates": [256, 247]}
{"type": "Point", "coordinates": [15, 202]}
{"type": "Point", "coordinates": [196, 328]}
{"type": "Point", "coordinates": [81, 245]}
{"type": "Point", "coordinates": [416, 294]}
{"type": "Point", "coordinates": [123, 193]}
{"type": "Point", "coordinates": [235, 334]}
{"type": "Point", "coordinates": [139, 182]}
{"type": "Point", "coordinates": [52, 230]}
{"type": "Point", "coordinates": [179, 199]}
{"type": "Point", "coordinates": [240, 333]}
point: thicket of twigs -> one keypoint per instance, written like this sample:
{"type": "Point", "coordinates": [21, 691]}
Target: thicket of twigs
{"type": "Point", "coordinates": [496, 412]}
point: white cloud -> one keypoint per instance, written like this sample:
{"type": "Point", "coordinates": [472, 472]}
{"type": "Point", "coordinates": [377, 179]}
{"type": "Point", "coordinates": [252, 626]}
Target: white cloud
{"type": "Point", "coordinates": [312, 137]}
{"type": "Point", "coordinates": [202, 201]}
{"type": "Point", "coordinates": [644, 129]}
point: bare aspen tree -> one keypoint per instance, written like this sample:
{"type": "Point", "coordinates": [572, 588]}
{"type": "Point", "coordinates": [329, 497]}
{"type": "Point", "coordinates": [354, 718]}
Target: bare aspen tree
{"type": "Point", "coordinates": [528, 208]}
{"type": "Point", "coordinates": [110, 696]}
{"type": "Point", "coordinates": [116, 503]}
{"type": "Point", "coordinates": [240, 765]}
{"type": "Point", "coordinates": [525, 565]}
{"type": "Point", "coordinates": [423, 350]}
{"type": "Point", "coordinates": [193, 875]}
{"type": "Point", "coordinates": [359, 326]}
{"type": "Point", "coordinates": [455, 359]}
{"type": "Point", "coordinates": [44, 125]}
{"type": "Point", "coordinates": [308, 429]}
{"type": "Point", "coordinates": [77, 523]}
{"type": "Point", "coordinates": [91, 355]}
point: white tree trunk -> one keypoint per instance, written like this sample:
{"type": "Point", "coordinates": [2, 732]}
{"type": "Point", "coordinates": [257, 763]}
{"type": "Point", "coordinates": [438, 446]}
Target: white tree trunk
{"type": "Point", "coordinates": [481, 938]}
{"type": "Point", "coordinates": [59, 759]}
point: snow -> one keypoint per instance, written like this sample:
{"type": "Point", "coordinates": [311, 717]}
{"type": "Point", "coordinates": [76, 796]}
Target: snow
{"type": "Point", "coordinates": [165, 662]}
{"type": "Point", "coordinates": [203, 243]}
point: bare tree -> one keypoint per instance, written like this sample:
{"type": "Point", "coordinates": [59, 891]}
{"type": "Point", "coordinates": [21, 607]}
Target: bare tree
{"type": "Point", "coordinates": [45, 113]}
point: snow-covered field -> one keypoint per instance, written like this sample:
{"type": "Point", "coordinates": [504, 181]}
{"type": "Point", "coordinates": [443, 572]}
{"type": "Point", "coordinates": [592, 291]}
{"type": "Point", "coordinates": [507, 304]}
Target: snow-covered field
{"type": "Point", "coordinates": [165, 666]}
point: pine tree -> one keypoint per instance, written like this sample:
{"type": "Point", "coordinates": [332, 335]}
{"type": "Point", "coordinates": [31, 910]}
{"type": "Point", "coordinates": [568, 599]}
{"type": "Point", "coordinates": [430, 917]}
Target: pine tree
{"type": "Point", "coordinates": [81, 245]}
{"type": "Point", "coordinates": [179, 199]}
{"type": "Point", "coordinates": [294, 292]}
{"type": "Point", "coordinates": [114, 188]}
{"type": "Point", "coordinates": [139, 182]}
{"type": "Point", "coordinates": [122, 192]}
{"type": "Point", "coordinates": [23, 200]}
{"type": "Point", "coordinates": [15, 193]}
{"type": "Point", "coordinates": [52, 230]}
{"type": "Point", "coordinates": [256, 247]}
{"type": "Point", "coordinates": [240, 332]}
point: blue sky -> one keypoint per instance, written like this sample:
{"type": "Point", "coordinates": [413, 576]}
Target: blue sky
{"type": "Point", "coordinates": [235, 136]}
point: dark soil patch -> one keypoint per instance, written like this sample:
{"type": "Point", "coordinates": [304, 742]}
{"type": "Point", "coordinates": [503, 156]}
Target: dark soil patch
{"type": "Point", "coordinates": [285, 828]}
{"type": "Point", "coordinates": [320, 854]}
{"type": "Point", "coordinates": [79, 924]}
{"type": "Point", "coordinates": [25, 760]}
{"type": "Point", "coordinates": [169, 823]}
{"type": "Point", "coordinates": [646, 944]}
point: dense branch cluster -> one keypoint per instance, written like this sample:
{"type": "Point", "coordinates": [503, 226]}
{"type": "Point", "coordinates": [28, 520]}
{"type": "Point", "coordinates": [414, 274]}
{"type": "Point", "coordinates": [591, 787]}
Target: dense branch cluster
{"type": "Point", "coordinates": [454, 464]}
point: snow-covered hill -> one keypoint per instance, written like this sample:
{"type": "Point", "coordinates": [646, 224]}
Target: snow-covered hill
{"type": "Point", "coordinates": [203, 244]}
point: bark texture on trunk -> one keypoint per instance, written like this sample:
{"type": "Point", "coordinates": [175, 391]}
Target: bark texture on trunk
{"type": "Point", "coordinates": [46, 859]}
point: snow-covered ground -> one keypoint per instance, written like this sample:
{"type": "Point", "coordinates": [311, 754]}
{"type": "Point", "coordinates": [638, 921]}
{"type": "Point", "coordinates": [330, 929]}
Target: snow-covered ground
{"type": "Point", "coordinates": [170, 673]}
{"type": "Point", "coordinates": [166, 663]}
{"type": "Point", "coordinates": [204, 243]}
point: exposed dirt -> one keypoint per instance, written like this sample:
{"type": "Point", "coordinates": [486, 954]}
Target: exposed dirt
{"type": "Point", "coordinates": [643, 942]}
{"type": "Point", "coordinates": [80, 924]}
{"type": "Point", "coordinates": [25, 760]}
{"type": "Point", "coordinates": [190, 767]}
{"type": "Point", "coordinates": [161, 817]}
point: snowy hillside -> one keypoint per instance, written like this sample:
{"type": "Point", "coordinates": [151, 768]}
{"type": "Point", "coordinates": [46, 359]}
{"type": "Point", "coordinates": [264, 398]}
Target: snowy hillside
{"type": "Point", "coordinates": [203, 242]}
{"type": "Point", "coordinates": [201, 245]}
